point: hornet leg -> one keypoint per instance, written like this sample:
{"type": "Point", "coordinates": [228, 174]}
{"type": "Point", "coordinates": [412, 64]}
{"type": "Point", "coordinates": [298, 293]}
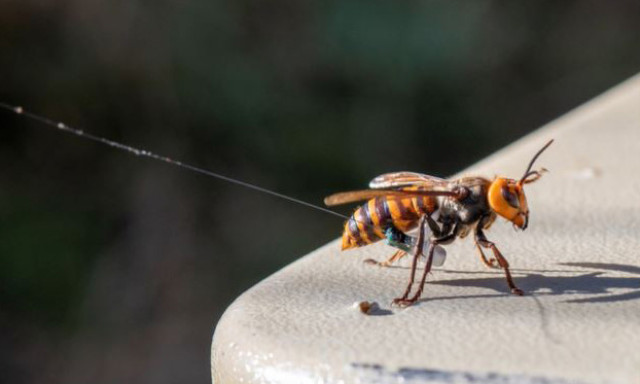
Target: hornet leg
{"type": "Point", "coordinates": [407, 302]}
{"type": "Point", "coordinates": [504, 264]}
{"type": "Point", "coordinates": [397, 239]}
{"type": "Point", "coordinates": [403, 242]}
{"type": "Point", "coordinates": [395, 257]}
{"type": "Point", "coordinates": [446, 239]}
{"type": "Point", "coordinates": [414, 262]}
{"type": "Point", "coordinates": [491, 263]}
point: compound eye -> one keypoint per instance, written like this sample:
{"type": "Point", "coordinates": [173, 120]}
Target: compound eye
{"type": "Point", "coordinates": [510, 197]}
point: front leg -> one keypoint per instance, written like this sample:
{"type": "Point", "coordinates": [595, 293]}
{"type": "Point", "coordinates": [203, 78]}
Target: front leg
{"type": "Point", "coordinates": [491, 263]}
{"type": "Point", "coordinates": [504, 264]}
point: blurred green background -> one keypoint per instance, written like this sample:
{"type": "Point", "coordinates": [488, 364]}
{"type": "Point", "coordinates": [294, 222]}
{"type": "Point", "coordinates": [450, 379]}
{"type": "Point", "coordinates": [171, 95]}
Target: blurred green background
{"type": "Point", "coordinates": [115, 269]}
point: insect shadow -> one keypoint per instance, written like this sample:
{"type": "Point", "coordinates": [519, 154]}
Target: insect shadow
{"type": "Point", "coordinates": [603, 287]}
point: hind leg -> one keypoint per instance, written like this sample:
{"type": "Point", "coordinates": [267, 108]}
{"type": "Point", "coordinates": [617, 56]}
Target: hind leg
{"type": "Point", "coordinates": [397, 239]}
{"type": "Point", "coordinates": [395, 257]}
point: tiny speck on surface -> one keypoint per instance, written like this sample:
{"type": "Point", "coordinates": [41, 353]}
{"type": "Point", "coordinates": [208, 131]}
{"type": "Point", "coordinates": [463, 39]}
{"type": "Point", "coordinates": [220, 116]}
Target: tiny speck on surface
{"type": "Point", "coordinates": [585, 173]}
{"type": "Point", "coordinates": [18, 110]}
{"type": "Point", "coordinates": [366, 307]}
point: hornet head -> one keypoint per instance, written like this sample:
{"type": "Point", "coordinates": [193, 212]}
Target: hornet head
{"type": "Point", "coordinates": [506, 196]}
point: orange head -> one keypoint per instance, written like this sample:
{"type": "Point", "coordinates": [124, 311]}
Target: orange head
{"type": "Point", "coordinates": [506, 196]}
{"type": "Point", "coordinates": [507, 199]}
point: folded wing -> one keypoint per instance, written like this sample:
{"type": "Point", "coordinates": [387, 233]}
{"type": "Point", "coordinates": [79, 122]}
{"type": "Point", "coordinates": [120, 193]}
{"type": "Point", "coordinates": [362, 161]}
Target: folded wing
{"type": "Point", "coordinates": [366, 194]}
{"type": "Point", "coordinates": [404, 179]}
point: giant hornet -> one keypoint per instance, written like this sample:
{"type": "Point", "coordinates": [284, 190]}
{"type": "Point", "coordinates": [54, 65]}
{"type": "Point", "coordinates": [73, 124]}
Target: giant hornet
{"type": "Point", "coordinates": [397, 203]}
{"type": "Point", "coordinates": [448, 209]}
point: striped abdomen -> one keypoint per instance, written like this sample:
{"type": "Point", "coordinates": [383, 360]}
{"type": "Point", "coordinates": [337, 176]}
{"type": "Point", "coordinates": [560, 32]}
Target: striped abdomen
{"type": "Point", "coordinates": [370, 221]}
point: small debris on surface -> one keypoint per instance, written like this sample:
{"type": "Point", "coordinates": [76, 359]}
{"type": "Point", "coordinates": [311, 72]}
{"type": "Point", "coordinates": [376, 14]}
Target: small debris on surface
{"type": "Point", "coordinates": [585, 173]}
{"type": "Point", "coordinates": [366, 307]}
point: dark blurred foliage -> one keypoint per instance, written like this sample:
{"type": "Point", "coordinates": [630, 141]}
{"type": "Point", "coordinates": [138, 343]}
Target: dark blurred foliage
{"type": "Point", "coordinates": [115, 269]}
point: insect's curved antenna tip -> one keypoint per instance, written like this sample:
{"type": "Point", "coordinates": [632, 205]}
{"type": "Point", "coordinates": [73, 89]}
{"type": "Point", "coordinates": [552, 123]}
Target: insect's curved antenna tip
{"type": "Point", "coordinates": [535, 157]}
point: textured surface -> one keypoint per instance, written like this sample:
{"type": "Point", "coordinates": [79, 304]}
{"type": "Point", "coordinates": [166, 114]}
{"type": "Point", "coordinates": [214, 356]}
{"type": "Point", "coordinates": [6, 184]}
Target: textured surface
{"type": "Point", "coordinates": [579, 263]}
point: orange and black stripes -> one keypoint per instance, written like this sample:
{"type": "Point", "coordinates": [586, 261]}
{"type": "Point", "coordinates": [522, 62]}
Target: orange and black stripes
{"type": "Point", "coordinates": [375, 210]}
{"type": "Point", "coordinates": [370, 221]}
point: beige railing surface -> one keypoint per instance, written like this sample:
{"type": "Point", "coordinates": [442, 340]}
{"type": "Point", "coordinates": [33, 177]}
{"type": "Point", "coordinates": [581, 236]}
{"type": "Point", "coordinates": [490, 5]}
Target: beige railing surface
{"type": "Point", "coordinates": [578, 262]}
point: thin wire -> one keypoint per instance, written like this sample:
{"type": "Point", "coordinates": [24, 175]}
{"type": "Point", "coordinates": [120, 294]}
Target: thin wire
{"type": "Point", "coordinates": [140, 152]}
